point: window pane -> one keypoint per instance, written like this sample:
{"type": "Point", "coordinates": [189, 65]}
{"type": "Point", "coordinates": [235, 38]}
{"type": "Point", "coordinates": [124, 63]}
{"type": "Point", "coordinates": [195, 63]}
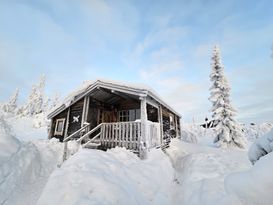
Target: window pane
{"type": "Point", "coordinates": [137, 113]}
{"type": "Point", "coordinates": [60, 126]}
{"type": "Point", "coordinates": [132, 115]}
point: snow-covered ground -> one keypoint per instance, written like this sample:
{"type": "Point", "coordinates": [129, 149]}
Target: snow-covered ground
{"type": "Point", "coordinates": [193, 172]}
{"type": "Point", "coordinates": [26, 164]}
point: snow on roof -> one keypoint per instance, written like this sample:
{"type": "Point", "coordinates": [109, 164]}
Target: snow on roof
{"type": "Point", "coordinates": [87, 86]}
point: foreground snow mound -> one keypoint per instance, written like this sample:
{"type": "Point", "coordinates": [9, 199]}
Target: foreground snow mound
{"type": "Point", "coordinates": [200, 172]}
{"type": "Point", "coordinates": [261, 147]}
{"type": "Point", "coordinates": [254, 186]}
{"type": "Point", "coordinates": [113, 177]}
{"type": "Point", "coordinates": [8, 143]}
{"type": "Point", "coordinates": [25, 172]}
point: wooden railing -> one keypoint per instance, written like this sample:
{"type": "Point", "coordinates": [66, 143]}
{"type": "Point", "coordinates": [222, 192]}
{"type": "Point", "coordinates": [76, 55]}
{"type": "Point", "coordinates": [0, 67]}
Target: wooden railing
{"type": "Point", "coordinates": [123, 134]}
{"type": "Point", "coordinates": [83, 129]}
{"type": "Point", "coordinates": [89, 133]}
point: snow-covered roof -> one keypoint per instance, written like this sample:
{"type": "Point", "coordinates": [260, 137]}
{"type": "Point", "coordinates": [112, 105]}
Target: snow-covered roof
{"type": "Point", "coordinates": [88, 86]}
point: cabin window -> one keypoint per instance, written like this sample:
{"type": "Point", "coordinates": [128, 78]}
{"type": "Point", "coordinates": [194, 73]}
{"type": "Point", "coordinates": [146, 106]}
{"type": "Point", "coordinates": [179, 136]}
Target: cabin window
{"type": "Point", "coordinates": [129, 115]}
{"type": "Point", "coordinates": [59, 128]}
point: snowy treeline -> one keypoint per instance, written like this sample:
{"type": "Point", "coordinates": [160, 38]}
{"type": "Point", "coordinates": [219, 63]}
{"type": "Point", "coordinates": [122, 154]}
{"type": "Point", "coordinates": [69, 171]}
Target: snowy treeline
{"type": "Point", "coordinates": [229, 131]}
{"type": "Point", "coordinates": [36, 105]}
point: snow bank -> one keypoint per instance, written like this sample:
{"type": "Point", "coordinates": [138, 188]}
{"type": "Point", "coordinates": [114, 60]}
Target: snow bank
{"type": "Point", "coordinates": [254, 186]}
{"type": "Point", "coordinates": [25, 172]}
{"type": "Point", "coordinates": [25, 166]}
{"type": "Point", "coordinates": [8, 143]}
{"type": "Point", "coordinates": [201, 170]}
{"type": "Point", "coordinates": [255, 131]}
{"type": "Point", "coordinates": [261, 147]}
{"type": "Point", "coordinates": [113, 177]}
{"type": "Point", "coordinates": [29, 128]}
{"type": "Point", "coordinates": [194, 133]}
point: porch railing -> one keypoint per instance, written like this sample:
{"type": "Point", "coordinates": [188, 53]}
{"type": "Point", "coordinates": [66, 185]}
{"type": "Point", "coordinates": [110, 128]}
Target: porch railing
{"type": "Point", "coordinates": [123, 134]}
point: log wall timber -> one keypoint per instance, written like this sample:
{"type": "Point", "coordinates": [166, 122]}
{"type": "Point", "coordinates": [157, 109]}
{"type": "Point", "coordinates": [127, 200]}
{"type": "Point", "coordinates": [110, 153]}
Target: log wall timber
{"type": "Point", "coordinates": [129, 104]}
{"type": "Point", "coordinates": [75, 117]}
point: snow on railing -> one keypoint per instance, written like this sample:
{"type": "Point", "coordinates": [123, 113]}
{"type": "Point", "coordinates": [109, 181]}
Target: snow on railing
{"type": "Point", "coordinates": [153, 138]}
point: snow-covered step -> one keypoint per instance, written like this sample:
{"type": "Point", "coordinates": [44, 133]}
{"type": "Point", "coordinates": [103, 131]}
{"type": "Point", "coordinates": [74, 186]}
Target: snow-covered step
{"type": "Point", "coordinates": [92, 145]}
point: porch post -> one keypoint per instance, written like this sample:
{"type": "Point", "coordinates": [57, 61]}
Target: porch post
{"type": "Point", "coordinates": [160, 120]}
{"type": "Point", "coordinates": [65, 135]}
{"type": "Point", "coordinates": [176, 126]}
{"type": "Point", "coordinates": [144, 128]}
{"type": "Point", "coordinates": [50, 131]}
{"type": "Point", "coordinates": [85, 110]}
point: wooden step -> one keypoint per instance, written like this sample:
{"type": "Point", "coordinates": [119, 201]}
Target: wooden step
{"type": "Point", "coordinates": [92, 145]}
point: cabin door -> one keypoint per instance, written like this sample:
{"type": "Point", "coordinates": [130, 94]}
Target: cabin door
{"type": "Point", "coordinates": [109, 116]}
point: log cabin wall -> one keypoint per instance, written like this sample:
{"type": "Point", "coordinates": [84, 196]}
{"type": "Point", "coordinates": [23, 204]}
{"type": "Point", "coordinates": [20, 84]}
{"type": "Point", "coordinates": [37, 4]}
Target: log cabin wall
{"type": "Point", "coordinates": [171, 128]}
{"type": "Point", "coordinates": [61, 115]}
{"type": "Point", "coordinates": [75, 117]}
{"type": "Point", "coordinates": [129, 104]}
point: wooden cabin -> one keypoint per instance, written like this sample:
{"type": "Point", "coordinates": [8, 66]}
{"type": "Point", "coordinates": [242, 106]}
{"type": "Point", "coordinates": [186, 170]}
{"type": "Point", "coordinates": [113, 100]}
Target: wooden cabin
{"type": "Point", "coordinates": [107, 114]}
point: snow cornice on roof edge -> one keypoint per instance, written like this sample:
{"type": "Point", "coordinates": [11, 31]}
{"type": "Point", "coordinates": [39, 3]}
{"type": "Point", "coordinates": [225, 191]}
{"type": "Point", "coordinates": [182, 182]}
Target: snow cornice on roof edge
{"type": "Point", "coordinates": [133, 89]}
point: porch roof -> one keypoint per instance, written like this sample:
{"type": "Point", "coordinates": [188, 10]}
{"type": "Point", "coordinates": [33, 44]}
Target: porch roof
{"type": "Point", "coordinates": [89, 87]}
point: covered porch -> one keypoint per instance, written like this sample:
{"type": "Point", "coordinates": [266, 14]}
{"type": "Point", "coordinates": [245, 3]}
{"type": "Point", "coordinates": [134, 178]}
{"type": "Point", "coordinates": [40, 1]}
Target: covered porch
{"type": "Point", "coordinates": [110, 118]}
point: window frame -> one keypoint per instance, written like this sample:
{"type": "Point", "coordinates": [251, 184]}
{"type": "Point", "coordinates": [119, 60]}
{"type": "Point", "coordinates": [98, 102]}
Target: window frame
{"type": "Point", "coordinates": [127, 115]}
{"type": "Point", "coordinates": [56, 132]}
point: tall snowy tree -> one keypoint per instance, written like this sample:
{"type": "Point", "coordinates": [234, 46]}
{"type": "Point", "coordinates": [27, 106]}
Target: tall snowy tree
{"type": "Point", "coordinates": [229, 131]}
{"type": "Point", "coordinates": [11, 105]}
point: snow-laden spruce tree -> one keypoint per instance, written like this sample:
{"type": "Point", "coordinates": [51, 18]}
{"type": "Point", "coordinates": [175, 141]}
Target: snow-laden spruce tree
{"type": "Point", "coordinates": [11, 105]}
{"type": "Point", "coordinates": [229, 131]}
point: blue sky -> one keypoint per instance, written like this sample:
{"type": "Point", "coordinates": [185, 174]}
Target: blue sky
{"type": "Point", "coordinates": [164, 44]}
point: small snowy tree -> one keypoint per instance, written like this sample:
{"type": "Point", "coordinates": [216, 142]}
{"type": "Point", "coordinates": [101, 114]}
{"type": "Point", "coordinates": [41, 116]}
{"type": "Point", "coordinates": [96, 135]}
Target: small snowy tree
{"type": "Point", "coordinates": [36, 101]}
{"type": "Point", "coordinates": [11, 105]}
{"type": "Point", "coordinates": [229, 131]}
{"type": "Point", "coordinates": [55, 100]}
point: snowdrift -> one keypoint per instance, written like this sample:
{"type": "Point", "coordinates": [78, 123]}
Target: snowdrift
{"type": "Point", "coordinates": [113, 177]}
{"type": "Point", "coordinates": [254, 186]}
{"type": "Point", "coordinates": [261, 147]}
{"type": "Point", "coordinates": [25, 166]}
{"type": "Point", "coordinates": [201, 170]}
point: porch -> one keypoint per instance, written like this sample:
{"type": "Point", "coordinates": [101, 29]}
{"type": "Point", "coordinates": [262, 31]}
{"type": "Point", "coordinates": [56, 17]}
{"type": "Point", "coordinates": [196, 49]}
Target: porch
{"type": "Point", "coordinates": [122, 134]}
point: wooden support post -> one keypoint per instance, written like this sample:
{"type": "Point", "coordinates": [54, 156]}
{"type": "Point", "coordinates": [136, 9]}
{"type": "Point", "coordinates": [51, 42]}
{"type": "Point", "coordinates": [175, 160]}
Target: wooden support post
{"type": "Point", "coordinates": [144, 128]}
{"type": "Point", "coordinates": [85, 110]}
{"type": "Point", "coordinates": [50, 131]}
{"type": "Point", "coordinates": [160, 120]}
{"type": "Point", "coordinates": [176, 126]}
{"type": "Point", "coordinates": [65, 135]}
